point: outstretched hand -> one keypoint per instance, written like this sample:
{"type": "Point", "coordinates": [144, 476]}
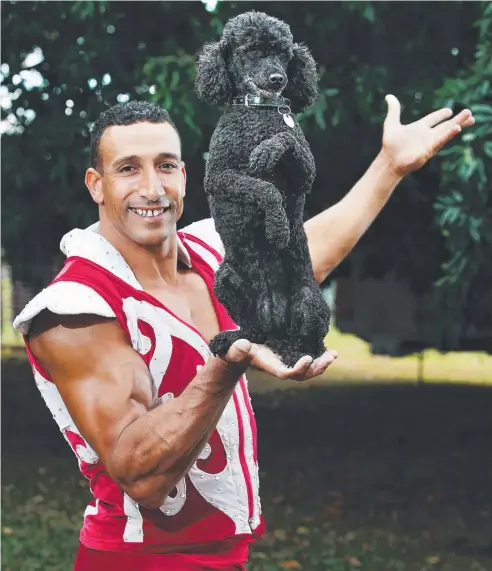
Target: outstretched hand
{"type": "Point", "coordinates": [409, 147]}
{"type": "Point", "coordinates": [263, 358]}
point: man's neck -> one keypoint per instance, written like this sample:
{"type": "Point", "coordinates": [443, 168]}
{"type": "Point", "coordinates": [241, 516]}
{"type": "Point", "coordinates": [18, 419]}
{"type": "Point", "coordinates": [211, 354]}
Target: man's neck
{"type": "Point", "coordinates": [152, 266]}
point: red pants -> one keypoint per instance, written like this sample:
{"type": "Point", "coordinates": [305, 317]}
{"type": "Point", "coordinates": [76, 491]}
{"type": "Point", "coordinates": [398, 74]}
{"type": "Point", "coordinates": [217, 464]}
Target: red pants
{"type": "Point", "coordinates": [91, 560]}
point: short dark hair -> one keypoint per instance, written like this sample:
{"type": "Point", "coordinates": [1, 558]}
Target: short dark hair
{"type": "Point", "coordinates": [125, 114]}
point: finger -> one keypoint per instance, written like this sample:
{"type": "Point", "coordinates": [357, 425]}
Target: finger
{"type": "Point", "coordinates": [300, 368]}
{"type": "Point", "coordinates": [303, 364]}
{"type": "Point", "coordinates": [394, 111]}
{"type": "Point", "coordinates": [318, 366]}
{"type": "Point", "coordinates": [443, 134]}
{"type": "Point", "coordinates": [239, 351]}
{"type": "Point", "coordinates": [323, 362]}
{"type": "Point", "coordinates": [463, 117]}
{"type": "Point", "coordinates": [437, 117]}
{"type": "Point", "coordinates": [264, 359]}
{"type": "Point", "coordinates": [296, 372]}
{"type": "Point", "coordinates": [446, 131]}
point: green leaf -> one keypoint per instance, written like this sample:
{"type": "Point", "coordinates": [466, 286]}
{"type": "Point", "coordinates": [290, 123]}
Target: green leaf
{"type": "Point", "coordinates": [487, 148]}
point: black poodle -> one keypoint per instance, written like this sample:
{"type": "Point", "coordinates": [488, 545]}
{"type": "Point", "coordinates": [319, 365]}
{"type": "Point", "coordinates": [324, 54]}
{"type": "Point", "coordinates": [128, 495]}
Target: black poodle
{"type": "Point", "coordinates": [258, 172]}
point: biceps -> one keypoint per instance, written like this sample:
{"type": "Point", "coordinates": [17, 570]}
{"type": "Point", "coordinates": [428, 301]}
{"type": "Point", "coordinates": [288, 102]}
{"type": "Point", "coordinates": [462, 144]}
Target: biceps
{"type": "Point", "coordinates": [103, 404]}
{"type": "Point", "coordinates": [102, 380]}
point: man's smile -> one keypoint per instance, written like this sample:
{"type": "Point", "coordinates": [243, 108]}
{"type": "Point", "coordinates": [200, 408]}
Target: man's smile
{"type": "Point", "coordinates": [150, 213]}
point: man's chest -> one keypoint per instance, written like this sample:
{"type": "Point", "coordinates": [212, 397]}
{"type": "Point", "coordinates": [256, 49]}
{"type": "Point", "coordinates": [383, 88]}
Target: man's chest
{"type": "Point", "coordinates": [191, 302]}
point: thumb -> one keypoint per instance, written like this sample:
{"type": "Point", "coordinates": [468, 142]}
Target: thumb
{"type": "Point", "coordinates": [239, 352]}
{"type": "Point", "coordinates": [394, 110]}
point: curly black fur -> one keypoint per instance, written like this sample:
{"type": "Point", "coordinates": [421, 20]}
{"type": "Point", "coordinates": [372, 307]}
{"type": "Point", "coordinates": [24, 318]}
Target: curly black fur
{"type": "Point", "coordinates": [258, 173]}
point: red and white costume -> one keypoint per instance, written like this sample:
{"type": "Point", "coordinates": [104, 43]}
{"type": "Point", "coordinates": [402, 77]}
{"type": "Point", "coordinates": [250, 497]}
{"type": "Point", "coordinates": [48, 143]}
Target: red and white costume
{"type": "Point", "coordinates": [217, 503]}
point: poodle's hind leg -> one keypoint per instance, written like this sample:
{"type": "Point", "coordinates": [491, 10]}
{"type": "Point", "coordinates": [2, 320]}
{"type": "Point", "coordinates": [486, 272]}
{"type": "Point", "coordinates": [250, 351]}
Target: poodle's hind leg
{"type": "Point", "coordinates": [310, 319]}
{"type": "Point", "coordinates": [232, 292]}
{"type": "Point", "coordinates": [287, 350]}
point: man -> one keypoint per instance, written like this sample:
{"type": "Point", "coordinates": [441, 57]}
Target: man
{"type": "Point", "coordinates": [164, 431]}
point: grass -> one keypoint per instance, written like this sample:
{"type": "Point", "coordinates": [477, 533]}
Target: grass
{"type": "Point", "coordinates": [374, 477]}
{"type": "Point", "coordinates": [10, 337]}
{"type": "Point", "coordinates": [357, 365]}
{"type": "Point", "coordinates": [377, 478]}
{"type": "Point", "coordinates": [366, 471]}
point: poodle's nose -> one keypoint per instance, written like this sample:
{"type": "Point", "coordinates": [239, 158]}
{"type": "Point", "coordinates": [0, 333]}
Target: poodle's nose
{"type": "Point", "coordinates": [276, 78]}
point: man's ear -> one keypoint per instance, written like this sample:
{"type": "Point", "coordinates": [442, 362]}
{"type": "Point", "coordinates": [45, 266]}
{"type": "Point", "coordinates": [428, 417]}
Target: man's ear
{"type": "Point", "coordinates": [93, 181]}
{"type": "Point", "coordinates": [183, 172]}
{"type": "Point", "coordinates": [182, 191]}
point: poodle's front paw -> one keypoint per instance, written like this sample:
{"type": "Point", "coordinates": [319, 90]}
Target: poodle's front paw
{"type": "Point", "coordinates": [264, 158]}
{"type": "Point", "coordinates": [277, 230]}
{"type": "Point", "coordinates": [222, 342]}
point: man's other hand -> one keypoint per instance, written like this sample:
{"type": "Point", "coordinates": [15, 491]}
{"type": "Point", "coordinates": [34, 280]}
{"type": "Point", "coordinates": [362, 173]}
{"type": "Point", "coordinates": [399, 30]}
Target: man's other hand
{"type": "Point", "coordinates": [409, 147]}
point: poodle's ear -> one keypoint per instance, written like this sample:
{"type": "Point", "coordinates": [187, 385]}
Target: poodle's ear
{"type": "Point", "coordinates": [212, 83]}
{"type": "Point", "coordinates": [302, 86]}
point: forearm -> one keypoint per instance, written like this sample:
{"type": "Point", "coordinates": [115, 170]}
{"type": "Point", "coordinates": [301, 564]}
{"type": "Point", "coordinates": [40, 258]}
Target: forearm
{"type": "Point", "coordinates": [333, 233]}
{"type": "Point", "coordinates": [158, 449]}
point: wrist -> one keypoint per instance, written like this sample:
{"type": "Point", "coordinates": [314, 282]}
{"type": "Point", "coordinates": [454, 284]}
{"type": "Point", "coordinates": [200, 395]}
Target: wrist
{"type": "Point", "coordinates": [385, 162]}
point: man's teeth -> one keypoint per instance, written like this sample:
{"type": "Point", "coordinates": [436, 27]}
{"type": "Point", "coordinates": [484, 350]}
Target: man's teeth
{"type": "Point", "coordinates": [148, 213]}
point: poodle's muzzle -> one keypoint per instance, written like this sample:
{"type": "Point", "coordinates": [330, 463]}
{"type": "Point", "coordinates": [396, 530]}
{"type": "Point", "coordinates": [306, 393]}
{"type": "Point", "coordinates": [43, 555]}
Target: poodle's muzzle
{"type": "Point", "coordinates": [265, 77]}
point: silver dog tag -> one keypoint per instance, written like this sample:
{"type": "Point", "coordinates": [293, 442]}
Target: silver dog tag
{"type": "Point", "coordinates": [288, 120]}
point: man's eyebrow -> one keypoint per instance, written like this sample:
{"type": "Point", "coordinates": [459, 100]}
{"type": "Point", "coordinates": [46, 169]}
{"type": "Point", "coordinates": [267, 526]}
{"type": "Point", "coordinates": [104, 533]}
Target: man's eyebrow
{"type": "Point", "coordinates": [132, 158]}
{"type": "Point", "coordinates": [169, 156]}
{"type": "Point", "coordinates": [129, 159]}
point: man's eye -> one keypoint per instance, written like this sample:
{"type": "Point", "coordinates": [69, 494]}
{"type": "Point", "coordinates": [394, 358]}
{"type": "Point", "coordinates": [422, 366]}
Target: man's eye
{"type": "Point", "coordinates": [167, 166]}
{"type": "Point", "coordinates": [127, 168]}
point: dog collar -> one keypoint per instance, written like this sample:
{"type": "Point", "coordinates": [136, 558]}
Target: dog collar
{"type": "Point", "coordinates": [257, 101]}
{"type": "Point", "coordinates": [280, 103]}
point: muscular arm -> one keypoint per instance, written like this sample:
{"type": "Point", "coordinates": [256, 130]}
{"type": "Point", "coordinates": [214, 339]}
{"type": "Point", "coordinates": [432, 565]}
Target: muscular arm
{"type": "Point", "coordinates": [108, 391]}
{"type": "Point", "coordinates": [405, 148]}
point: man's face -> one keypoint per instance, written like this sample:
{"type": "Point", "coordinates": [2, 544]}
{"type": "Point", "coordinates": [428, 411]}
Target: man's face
{"type": "Point", "coordinates": [141, 186]}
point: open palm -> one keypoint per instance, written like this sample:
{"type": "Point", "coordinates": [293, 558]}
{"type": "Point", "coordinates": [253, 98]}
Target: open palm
{"type": "Point", "coordinates": [409, 147]}
{"type": "Point", "coordinates": [264, 359]}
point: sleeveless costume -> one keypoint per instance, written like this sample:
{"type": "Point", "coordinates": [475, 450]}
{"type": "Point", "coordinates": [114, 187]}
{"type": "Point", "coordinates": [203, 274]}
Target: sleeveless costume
{"type": "Point", "coordinates": [214, 513]}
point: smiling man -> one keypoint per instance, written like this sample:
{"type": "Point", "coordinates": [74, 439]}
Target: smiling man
{"type": "Point", "coordinates": [163, 430]}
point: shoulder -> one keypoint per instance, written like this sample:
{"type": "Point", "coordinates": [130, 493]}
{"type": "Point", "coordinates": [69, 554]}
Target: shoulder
{"type": "Point", "coordinates": [205, 231]}
{"type": "Point", "coordinates": [63, 340]}
{"type": "Point", "coordinates": [63, 298]}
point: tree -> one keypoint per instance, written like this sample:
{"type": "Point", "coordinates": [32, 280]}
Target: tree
{"type": "Point", "coordinates": [97, 52]}
{"type": "Point", "coordinates": [93, 55]}
{"type": "Point", "coordinates": [464, 203]}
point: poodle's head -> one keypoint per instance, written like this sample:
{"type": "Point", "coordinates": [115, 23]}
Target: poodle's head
{"type": "Point", "coordinates": [257, 55]}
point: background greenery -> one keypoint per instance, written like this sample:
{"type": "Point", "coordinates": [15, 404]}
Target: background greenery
{"type": "Point", "coordinates": [437, 228]}
{"type": "Point", "coordinates": [378, 478]}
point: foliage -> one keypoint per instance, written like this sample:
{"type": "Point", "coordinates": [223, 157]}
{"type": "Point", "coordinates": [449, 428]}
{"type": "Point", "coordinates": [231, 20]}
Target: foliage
{"type": "Point", "coordinates": [95, 52]}
{"type": "Point", "coordinates": [464, 204]}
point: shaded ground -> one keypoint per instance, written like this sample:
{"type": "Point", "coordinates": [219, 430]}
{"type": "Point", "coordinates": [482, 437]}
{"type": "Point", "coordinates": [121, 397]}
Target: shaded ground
{"type": "Point", "coordinates": [378, 478]}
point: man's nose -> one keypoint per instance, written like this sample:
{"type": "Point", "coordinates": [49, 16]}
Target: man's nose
{"type": "Point", "coordinates": [151, 186]}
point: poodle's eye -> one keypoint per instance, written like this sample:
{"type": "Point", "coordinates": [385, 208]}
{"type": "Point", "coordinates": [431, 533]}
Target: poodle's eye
{"type": "Point", "coordinates": [253, 52]}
